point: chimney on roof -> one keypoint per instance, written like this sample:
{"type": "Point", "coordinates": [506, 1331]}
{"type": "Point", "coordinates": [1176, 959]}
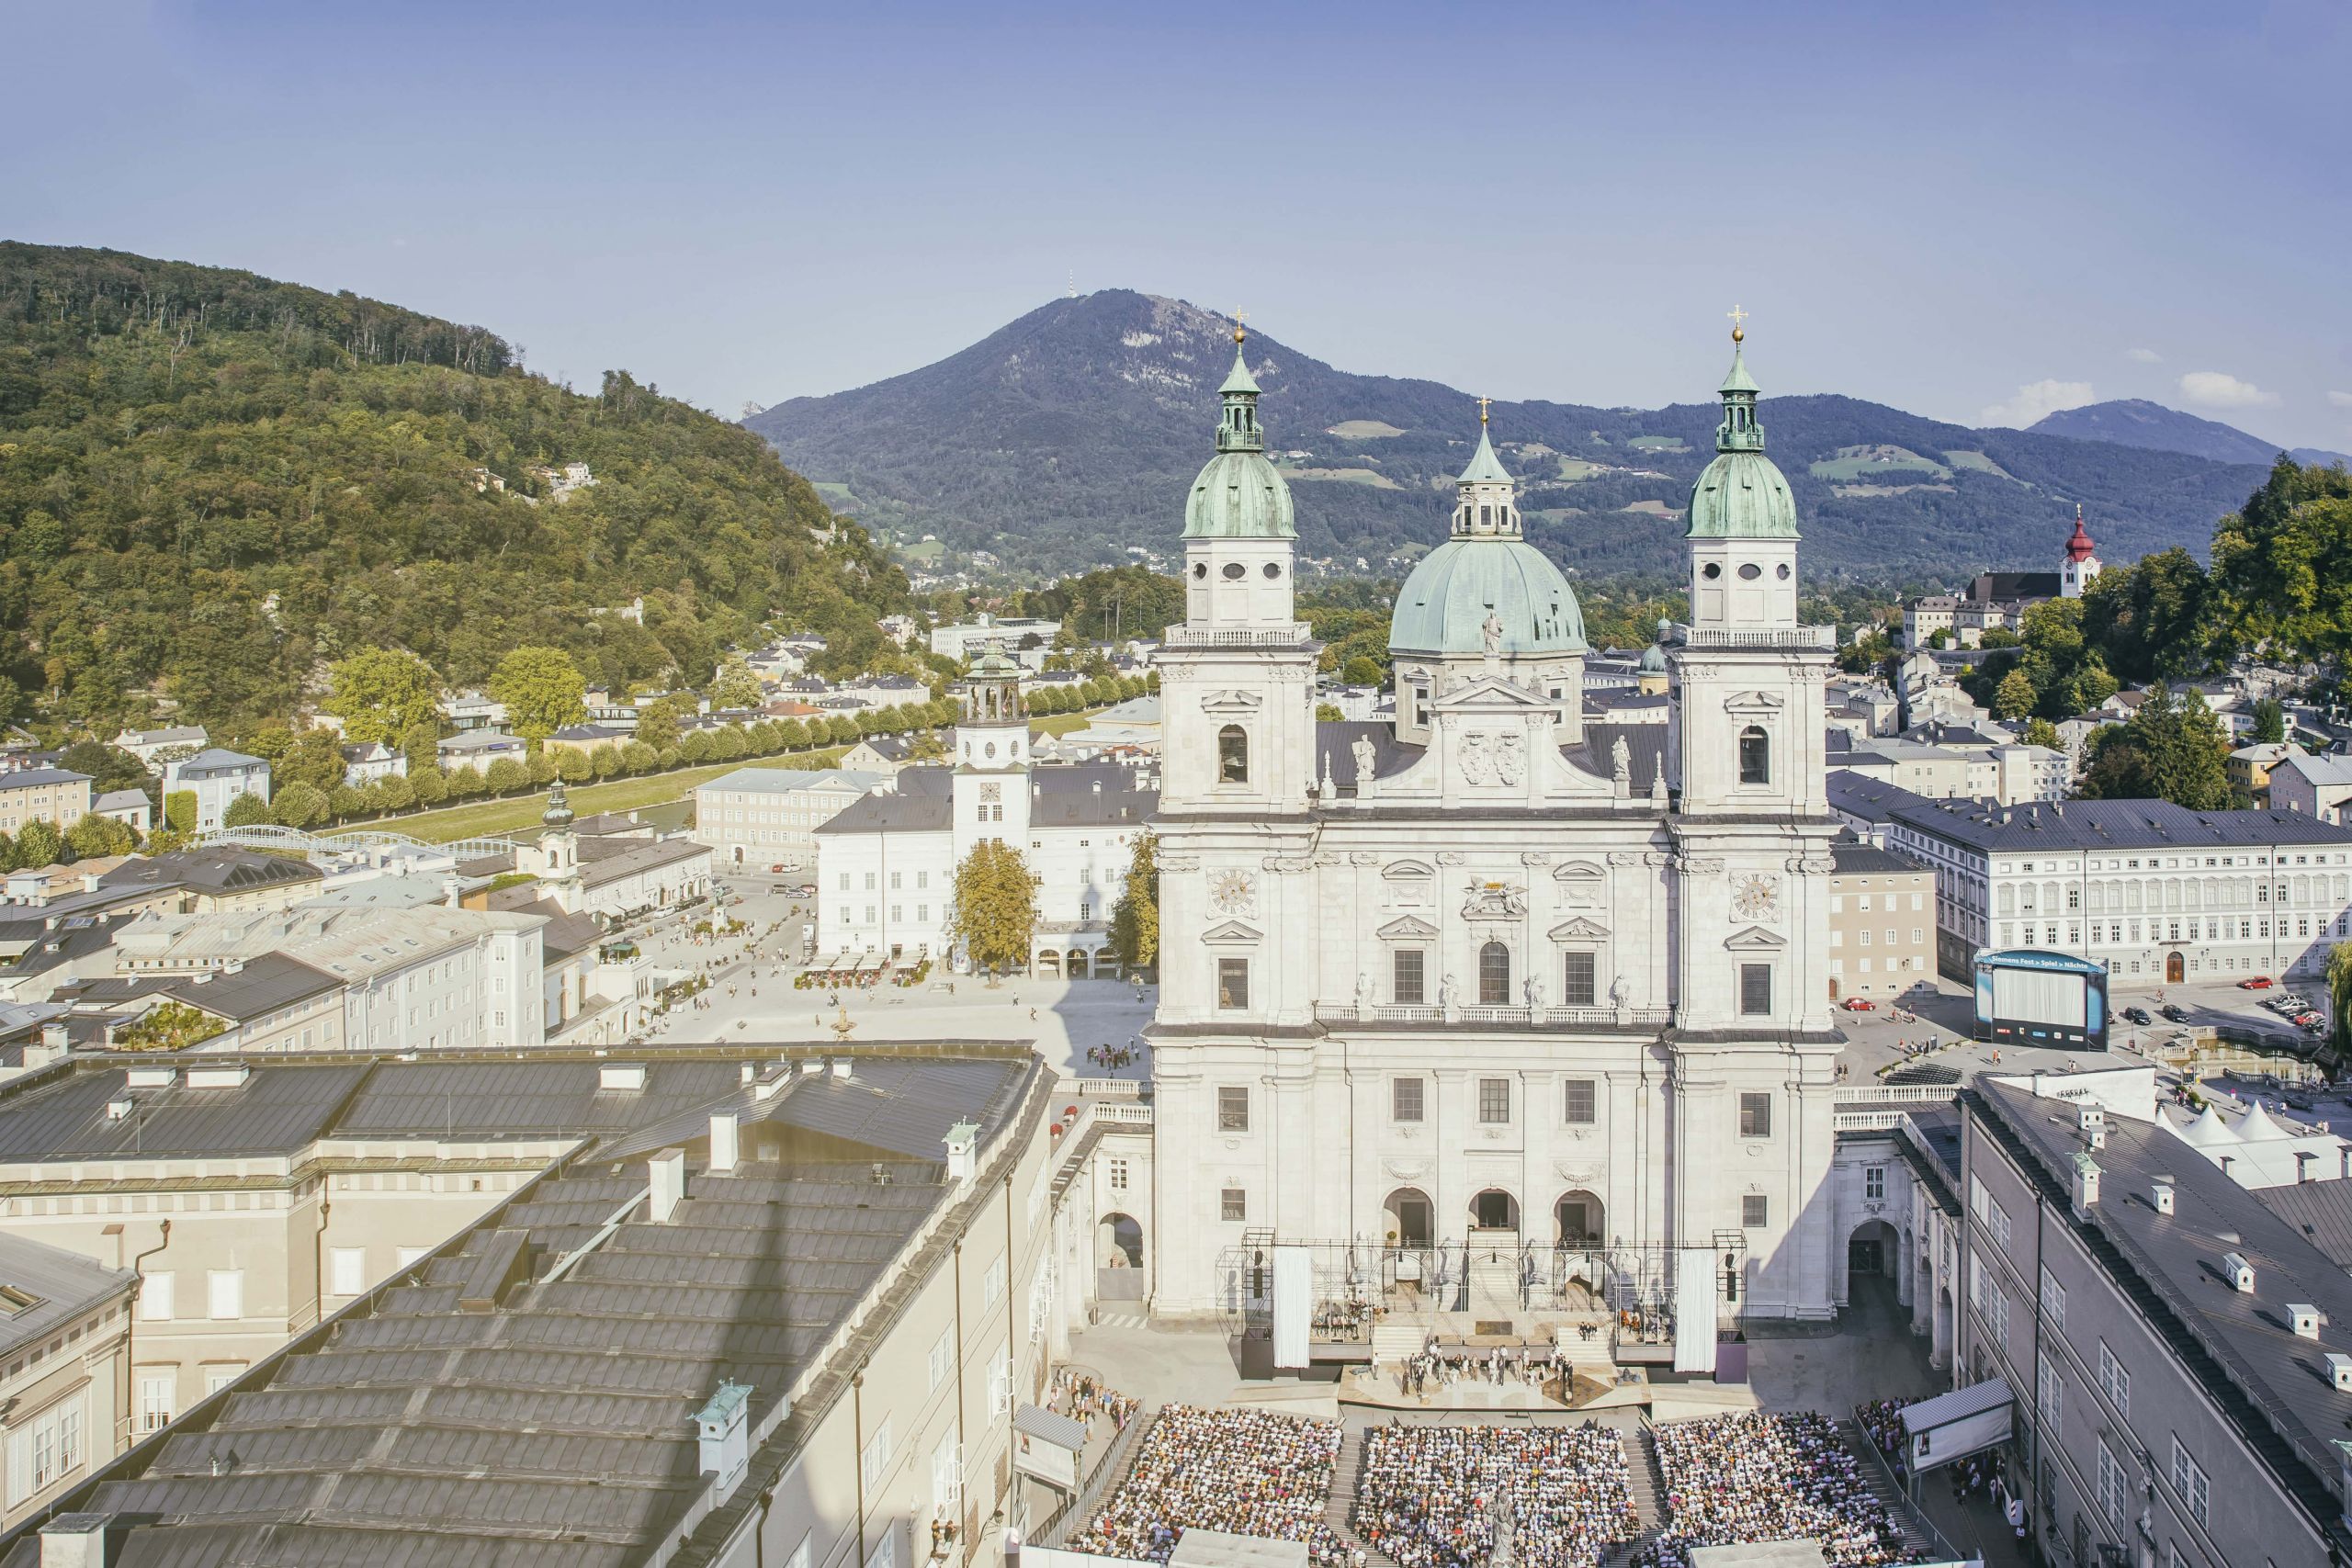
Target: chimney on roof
{"type": "Point", "coordinates": [668, 1169]}
{"type": "Point", "coordinates": [722, 1428]}
{"type": "Point", "coordinates": [962, 1143]}
{"type": "Point", "coordinates": [2085, 1185]}
{"type": "Point", "coordinates": [840, 1066]}
{"type": "Point", "coordinates": [2304, 1319]}
{"type": "Point", "coordinates": [725, 1142]}
{"type": "Point", "coordinates": [80, 1541]}
{"type": "Point", "coordinates": [2239, 1272]}
{"type": "Point", "coordinates": [2162, 1194]}
{"type": "Point", "coordinates": [2302, 1170]}
{"type": "Point", "coordinates": [2092, 1121]}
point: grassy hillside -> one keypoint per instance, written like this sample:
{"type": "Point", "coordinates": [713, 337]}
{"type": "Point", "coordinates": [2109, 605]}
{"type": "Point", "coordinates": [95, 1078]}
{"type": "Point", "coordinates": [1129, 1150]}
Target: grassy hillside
{"type": "Point", "coordinates": [211, 484]}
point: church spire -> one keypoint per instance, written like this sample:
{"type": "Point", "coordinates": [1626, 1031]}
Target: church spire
{"type": "Point", "coordinates": [1238, 430]}
{"type": "Point", "coordinates": [1739, 432]}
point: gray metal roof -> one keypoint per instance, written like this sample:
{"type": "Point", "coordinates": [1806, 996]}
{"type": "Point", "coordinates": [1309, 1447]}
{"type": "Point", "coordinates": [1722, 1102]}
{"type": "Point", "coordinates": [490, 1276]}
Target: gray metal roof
{"type": "Point", "coordinates": [917, 801]}
{"type": "Point", "coordinates": [62, 1286]}
{"type": "Point", "coordinates": [2066, 826]}
{"type": "Point", "coordinates": [1850, 859]}
{"type": "Point", "coordinates": [552, 1429]}
{"type": "Point", "coordinates": [218, 868]}
{"type": "Point", "coordinates": [259, 987]}
{"type": "Point", "coordinates": [277, 1110]}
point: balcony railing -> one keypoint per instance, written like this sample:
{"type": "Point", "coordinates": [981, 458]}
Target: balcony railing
{"type": "Point", "coordinates": [1804, 638]}
{"type": "Point", "coordinates": [1476, 1015]}
{"type": "Point", "coordinates": [1297, 635]}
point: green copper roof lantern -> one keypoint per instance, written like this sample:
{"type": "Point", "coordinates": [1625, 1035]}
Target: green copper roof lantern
{"type": "Point", "coordinates": [1239, 494]}
{"type": "Point", "coordinates": [1486, 570]}
{"type": "Point", "coordinates": [1741, 494]}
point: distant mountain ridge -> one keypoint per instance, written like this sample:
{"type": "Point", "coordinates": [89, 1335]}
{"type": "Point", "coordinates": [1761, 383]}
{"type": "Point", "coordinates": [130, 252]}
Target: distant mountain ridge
{"type": "Point", "coordinates": [2135, 422]}
{"type": "Point", "coordinates": [1073, 432]}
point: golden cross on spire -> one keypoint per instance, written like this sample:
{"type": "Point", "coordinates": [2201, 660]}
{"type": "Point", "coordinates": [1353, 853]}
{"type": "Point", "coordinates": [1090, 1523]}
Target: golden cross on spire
{"type": "Point", "coordinates": [1738, 332]}
{"type": "Point", "coordinates": [1483, 404]}
{"type": "Point", "coordinates": [1240, 320]}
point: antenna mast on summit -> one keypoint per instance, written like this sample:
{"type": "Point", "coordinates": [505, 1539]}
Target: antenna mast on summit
{"type": "Point", "coordinates": [1073, 283]}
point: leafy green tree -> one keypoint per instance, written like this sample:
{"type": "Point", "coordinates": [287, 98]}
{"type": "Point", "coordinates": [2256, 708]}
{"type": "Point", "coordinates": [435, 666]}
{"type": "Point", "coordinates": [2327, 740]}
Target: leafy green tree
{"type": "Point", "coordinates": [506, 775]}
{"type": "Point", "coordinates": [94, 835]}
{"type": "Point", "coordinates": [2339, 998]}
{"type": "Point", "coordinates": [7, 852]}
{"type": "Point", "coordinates": [270, 743]}
{"type": "Point", "coordinates": [657, 721]}
{"type": "Point", "coordinates": [1135, 918]}
{"type": "Point", "coordinates": [789, 735]}
{"type": "Point", "coordinates": [1329, 713]}
{"type": "Point", "coordinates": [39, 845]}
{"type": "Point", "coordinates": [347, 801]}
{"type": "Point", "coordinates": [735, 686]}
{"type": "Point", "coordinates": [2269, 715]}
{"type": "Point", "coordinates": [2282, 563]}
{"type": "Point", "coordinates": [543, 769]}
{"type": "Point", "coordinates": [247, 811]}
{"type": "Point", "coordinates": [110, 767]}
{"type": "Point", "coordinates": [994, 915]}
{"type": "Point", "coordinates": [299, 805]}
{"type": "Point", "coordinates": [396, 792]}
{"type": "Point", "coordinates": [1360, 671]}
{"type": "Point", "coordinates": [179, 811]}
{"type": "Point", "coordinates": [605, 760]}
{"type": "Point", "coordinates": [2089, 687]}
{"type": "Point", "coordinates": [169, 1026]}
{"type": "Point", "coordinates": [543, 690]}
{"type": "Point", "coordinates": [315, 758]}
{"type": "Point", "coordinates": [637, 758]}
{"type": "Point", "coordinates": [2172, 749]}
{"type": "Point", "coordinates": [696, 747]}
{"type": "Point", "coordinates": [573, 766]}
{"type": "Point", "coordinates": [465, 783]}
{"type": "Point", "coordinates": [841, 730]}
{"type": "Point", "coordinates": [381, 694]}
{"type": "Point", "coordinates": [428, 786]}
{"type": "Point", "coordinates": [2014, 698]}
{"type": "Point", "coordinates": [421, 744]}
{"type": "Point", "coordinates": [2042, 732]}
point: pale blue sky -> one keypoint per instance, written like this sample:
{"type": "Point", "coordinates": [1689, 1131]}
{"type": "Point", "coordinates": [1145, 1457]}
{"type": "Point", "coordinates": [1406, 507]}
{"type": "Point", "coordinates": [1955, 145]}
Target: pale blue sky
{"type": "Point", "coordinates": [1959, 210]}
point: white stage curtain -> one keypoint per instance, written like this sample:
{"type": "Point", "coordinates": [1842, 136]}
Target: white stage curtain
{"type": "Point", "coordinates": [1294, 1305]}
{"type": "Point", "coordinates": [1694, 1311]}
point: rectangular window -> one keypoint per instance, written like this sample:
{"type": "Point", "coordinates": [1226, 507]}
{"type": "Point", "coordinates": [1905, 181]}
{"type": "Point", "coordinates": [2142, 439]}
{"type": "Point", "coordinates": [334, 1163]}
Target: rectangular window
{"type": "Point", "coordinates": [992, 1285]}
{"type": "Point", "coordinates": [45, 1450]}
{"type": "Point", "coordinates": [2116, 1380]}
{"type": "Point", "coordinates": [1232, 1110]}
{"type": "Point", "coordinates": [1756, 990]}
{"type": "Point", "coordinates": [2053, 1299]}
{"type": "Point", "coordinates": [2112, 1501]}
{"type": "Point", "coordinates": [155, 1298]}
{"type": "Point", "coordinates": [348, 1268]}
{"type": "Point", "coordinates": [1755, 1115]}
{"type": "Point", "coordinates": [1405, 967]}
{"type": "Point", "coordinates": [1494, 1100]}
{"type": "Point", "coordinates": [874, 1463]}
{"type": "Point", "coordinates": [1233, 1205]}
{"type": "Point", "coordinates": [2049, 1394]}
{"type": "Point", "coordinates": [946, 1476]}
{"type": "Point", "coordinates": [1577, 1103]}
{"type": "Point", "coordinates": [942, 1356]}
{"type": "Point", "coordinates": [1232, 985]}
{"type": "Point", "coordinates": [1754, 1211]}
{"type": "Point", "coordinates": [226, 1293]}
{"type": "Point", "coordinates": [2188, 1481]}
{"type": "Point", "coordinates": [219, 1375]}
{"type": "Point", "coordinates": [1405, 1100]}
{"type": "Point", "coordinates": [158, 1392]}
{"type": "Point", "coordinates": [1118, 1176]}
{"type": "Point", "coordinates": [1578, 985]}
{"type": "Point", "coordinates": [1874, 1182]}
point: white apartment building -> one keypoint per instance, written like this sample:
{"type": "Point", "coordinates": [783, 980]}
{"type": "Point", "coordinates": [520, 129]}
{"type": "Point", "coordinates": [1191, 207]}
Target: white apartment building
{"type": "Point", "coordinates": [64, 1340]}
{"type": "Point", "coordinates": [758, 816]}
{"type": "Point", "coordinates": [216, 777]}
{"type": "Point", "coordinates": [424, 979]}
{"type": "Point", "coordinates": [2159, 894]}
{"type": "Point", "coordinates": [2314, 786]}
{"type": "Point", "coordinates": [965, 639]}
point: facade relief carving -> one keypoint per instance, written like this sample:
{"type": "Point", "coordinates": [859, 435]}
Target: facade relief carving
{"type": "Point", "coordinates": [1494, 901]}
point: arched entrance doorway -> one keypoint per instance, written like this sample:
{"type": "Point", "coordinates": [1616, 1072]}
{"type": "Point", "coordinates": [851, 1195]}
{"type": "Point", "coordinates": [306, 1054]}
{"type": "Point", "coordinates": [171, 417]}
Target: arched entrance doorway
{"type": "Point", "coordinates": [1874, 1251]}
{"type": "Point", "coordinates": [1077, 963]}
{"type": "Point", "coordinates": [1049, 963]}
{"type": "Point", "coordinates": [1578, 1215]}
{"type": "Point", "coordinates": [1941, 1355]}
{"type": "Point", "coordinates": [2175, 967]}
{"type": "Point", "coordinates": [1404, 1217]}
{"type": "Point", "coordinates": [1118, 1260]}
{"type": "Point", "coordinates": [1494, 1210]}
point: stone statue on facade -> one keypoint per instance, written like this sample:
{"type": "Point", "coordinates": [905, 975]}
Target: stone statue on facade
{"type": "Point", "coordinates": [1445, 994]}
{"type": "Point", "coordinates": [1364, 755]}
{"type": "Point", "coordinates": [1492, 630]}
{"type": "Point", "coordinates": [1621, 766]}
{"type": "Point", "coordinates": [1534, 991]}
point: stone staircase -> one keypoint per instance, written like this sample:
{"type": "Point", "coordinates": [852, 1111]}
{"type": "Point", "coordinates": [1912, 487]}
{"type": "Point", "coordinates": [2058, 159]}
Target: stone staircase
{"type": "Point", "coordinates": [1393, 1344]}
{"type": "Point", "coordinates": [1340, 1503]}
{"type": "Point", "coordinates": [1494, 1280]}
{"type": "Point", "coordinates": [1648, 1488]}
{"type": "Point", "coordinates": [1917, 1543]}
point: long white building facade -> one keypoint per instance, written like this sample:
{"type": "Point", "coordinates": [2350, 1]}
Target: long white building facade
{"type": "Point", "coordinates": [1490, 989]}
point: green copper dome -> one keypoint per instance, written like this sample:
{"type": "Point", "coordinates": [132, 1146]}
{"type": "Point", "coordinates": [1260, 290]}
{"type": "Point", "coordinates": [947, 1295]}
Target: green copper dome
{"type": "Point", "coordinates": [1653, 657]}
{"type": "Point", "coordinates": [1488, 568]}
{"type": "Point", "coordinates": [1445, 604]}
{"type": "Point", "coordinates": [1741, 494]}
{"type": "Point", "coordinates": [1240, 493]}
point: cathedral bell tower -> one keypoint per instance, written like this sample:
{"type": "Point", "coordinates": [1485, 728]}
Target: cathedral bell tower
{"type": "Point", "coordinates": [2076, 572]}
{"type": "Point", "coordinates": [1235, 676]}
{"type": "Point", "coordinates": [990, 783]}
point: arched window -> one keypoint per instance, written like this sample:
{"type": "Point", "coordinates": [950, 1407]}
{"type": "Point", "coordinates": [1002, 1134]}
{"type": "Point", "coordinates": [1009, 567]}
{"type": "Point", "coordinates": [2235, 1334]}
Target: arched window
{"type": "Point", "coordinates": [1755, 756]}
{"type": "Point", "coordinates": [1494, 976]}
{"type": "Point", "coordinates": [1232, 755]}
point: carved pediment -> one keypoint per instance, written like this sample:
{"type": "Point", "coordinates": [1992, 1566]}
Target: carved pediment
{"type": "Point", "coordinates": [1754, 939]}
{"type": "Point", "coordinates": [1579, 929]}
{"type": "Point", "coordinates": [1576, 869]}
{"type": "Point", "coordinates": [1229, 933]}
{"type": "Point", "coordinates": [1408, 871]}
{"type": "Point", "coordinates": [1408, 929]}
{"type": "Point", "coordinates": [1231, 700]}
{"type": "Point", "coordinates": [1754, 702]}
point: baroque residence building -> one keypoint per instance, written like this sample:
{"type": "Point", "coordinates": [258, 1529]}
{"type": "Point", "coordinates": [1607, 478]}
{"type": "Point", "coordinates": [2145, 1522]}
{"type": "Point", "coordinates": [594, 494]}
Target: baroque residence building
{"type": "Point", "coordinates": [1470, 1000]}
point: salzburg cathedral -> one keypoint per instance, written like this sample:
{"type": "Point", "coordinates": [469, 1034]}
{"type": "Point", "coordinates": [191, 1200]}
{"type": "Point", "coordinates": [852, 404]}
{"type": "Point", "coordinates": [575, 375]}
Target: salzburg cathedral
{"type": "Point", "coordinates": [1493, 990]}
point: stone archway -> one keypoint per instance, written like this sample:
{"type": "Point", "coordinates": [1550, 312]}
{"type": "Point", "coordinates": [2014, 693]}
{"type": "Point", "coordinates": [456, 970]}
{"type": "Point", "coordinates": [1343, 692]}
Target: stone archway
{"type": "Point", "coordinates": [1049, 963]}
{"type": "Point", "coordinates": [1579, 1219]}
{"type": "Point", "coordinates": [1119, 1273]}
{"type": "Point", "coordinates": [1873, 1250]}
{"type": "Point", "coordinates": [1408, 1216]}
{"type": "Point", "coordinates": [2175, 967]}
{"type": "Point", "coordinates": [1494, 1210]}
{"type": "Point", "coordinates": [1075, 966]}
{"type": "Point", "coordinates": [1940, 1353]}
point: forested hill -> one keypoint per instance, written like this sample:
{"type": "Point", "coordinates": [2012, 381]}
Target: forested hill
{"type": "Point", "coordinates": [211, 484]}
{"type": "Point", "coordinates": [1076, 431]}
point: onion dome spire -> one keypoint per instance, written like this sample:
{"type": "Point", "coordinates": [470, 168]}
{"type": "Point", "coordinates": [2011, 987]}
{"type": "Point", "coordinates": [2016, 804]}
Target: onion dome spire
{"type": "Point", "coordinates": [1238, 430]}
{"type": "Point", "coordinates": [2079, 546]}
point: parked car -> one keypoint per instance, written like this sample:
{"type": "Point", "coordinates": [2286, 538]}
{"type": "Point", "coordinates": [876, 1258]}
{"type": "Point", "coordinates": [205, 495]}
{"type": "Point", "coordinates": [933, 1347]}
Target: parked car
{"type": "Point", "coordinates": [2256, 983]}
{"type": "Point", "coordinates": [806, 890]}
{"type": "Point", "coordinates": [778, 869]}
{"type": "Point", "coordinates": [2138, 1016]}
{"type": "Point", "coordinates": [1858, 1004]}
{"type": "Point", "coordinates": [2175, 1011]}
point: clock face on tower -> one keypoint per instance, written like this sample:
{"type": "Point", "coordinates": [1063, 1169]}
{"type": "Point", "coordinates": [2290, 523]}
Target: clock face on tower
{"type": "Point", "coordinates": [1232, 893]}
{"type": "Point", "coordinates": [1756, 896]}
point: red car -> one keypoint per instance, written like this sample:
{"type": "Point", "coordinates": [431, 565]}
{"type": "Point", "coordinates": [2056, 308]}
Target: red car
{"type": "Point", "coordinates": [2259, 983]}
{"type": "Point", "coordinates": [1858, 1004]}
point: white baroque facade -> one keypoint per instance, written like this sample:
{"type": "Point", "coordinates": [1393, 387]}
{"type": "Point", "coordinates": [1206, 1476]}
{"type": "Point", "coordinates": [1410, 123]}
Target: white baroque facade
{"type": "Point", "coordinates": [1481, 977]}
